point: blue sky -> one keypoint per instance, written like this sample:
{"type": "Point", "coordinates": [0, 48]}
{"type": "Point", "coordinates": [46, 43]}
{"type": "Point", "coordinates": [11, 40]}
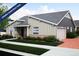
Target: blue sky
{"type": "Point", "coordinates": [73, 7]}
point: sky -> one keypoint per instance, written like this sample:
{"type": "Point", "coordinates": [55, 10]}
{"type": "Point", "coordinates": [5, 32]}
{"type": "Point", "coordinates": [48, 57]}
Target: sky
{"type": "Point", "coordinates": [38, 8]}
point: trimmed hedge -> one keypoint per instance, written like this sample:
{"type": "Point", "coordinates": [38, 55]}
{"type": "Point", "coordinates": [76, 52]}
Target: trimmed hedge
{"type": "Point", "coordinates": [77, 32]}
{"type": "Point", "coordinates": [72, 35]}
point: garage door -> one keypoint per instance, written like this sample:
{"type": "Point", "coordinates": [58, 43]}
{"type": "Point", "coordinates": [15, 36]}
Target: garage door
{"type": "Point", "coordinates": [61, 33]}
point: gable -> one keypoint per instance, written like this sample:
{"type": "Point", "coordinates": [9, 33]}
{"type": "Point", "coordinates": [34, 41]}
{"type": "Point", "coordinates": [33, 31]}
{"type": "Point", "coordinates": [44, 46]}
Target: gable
{"type": "Point", "coordinates": [76, 23]}
{"type": "Point", "coordinates": [67, 21]}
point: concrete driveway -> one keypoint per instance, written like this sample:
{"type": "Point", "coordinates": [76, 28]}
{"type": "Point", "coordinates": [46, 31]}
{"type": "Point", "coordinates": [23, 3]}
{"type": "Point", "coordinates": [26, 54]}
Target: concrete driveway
{"type": "Point", "coordinates": [71, 43]}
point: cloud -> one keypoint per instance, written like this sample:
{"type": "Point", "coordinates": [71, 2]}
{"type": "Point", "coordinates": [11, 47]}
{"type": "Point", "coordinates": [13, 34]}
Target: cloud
{"type": "Point", "coordinates": [43, 9]}
{"type": "Point", "coordinates": [20, 13]}
{"type": "Point", "coordinates": [23, 12]}
{"type": "Point", "coordinates": [75, 17]}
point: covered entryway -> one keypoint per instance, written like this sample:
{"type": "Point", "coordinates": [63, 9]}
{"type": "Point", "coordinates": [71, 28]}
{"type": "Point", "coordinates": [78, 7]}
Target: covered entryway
{"type": "Point", "coordinates": [61, 33]}
{"type": "Point", "coordinates": [21, 30]}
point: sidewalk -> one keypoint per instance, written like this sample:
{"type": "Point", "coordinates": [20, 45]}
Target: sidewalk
{"type": "Point", "coordinates": [27, 44]}
{"type": "Point", "coordinates": [53, 51]}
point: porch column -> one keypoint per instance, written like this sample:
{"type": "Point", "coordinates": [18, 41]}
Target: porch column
{"type": "Point", "coordinates": [27, 31]}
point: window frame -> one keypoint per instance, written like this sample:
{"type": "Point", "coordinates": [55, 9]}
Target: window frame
{"type": "Point", "coordinates": [35, 30]}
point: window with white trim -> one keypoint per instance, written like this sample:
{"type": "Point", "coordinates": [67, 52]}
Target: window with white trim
{"type": "Point", "coordinates": [67, 27]}
{"type": "Point", "coordinates": [70, 29]}
{"type": "Point", "coordinates": [35, 30]}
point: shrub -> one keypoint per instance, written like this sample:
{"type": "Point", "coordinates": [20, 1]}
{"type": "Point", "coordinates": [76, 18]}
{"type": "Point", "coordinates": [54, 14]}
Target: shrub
{"type": "Point", "coordinates": [19, 38]}
{"type": "Point", "coordinates": [0, 37]}
{"type": "Point", "coordinates": [47, 39]}
{"type": "Point", "coordinates": [30, 38]}
{"type": "Point", "coordinates": [51, 39]}
{"type": "Point", "coordinates": [77, 32]}
{"type": "Point", "coordinates": [71, 35]}
{"type": "Point", "coordinates": [6, 36]}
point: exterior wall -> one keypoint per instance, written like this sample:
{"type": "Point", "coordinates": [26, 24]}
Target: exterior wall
{"type": "Point", "coordinates": [76, 28]}
{"type": "Point", "coordinates": [11, 28]}
{"type": "Point", "coordinates": [67, 22]}
{"type": "Point", "coordinates": [44, 28]}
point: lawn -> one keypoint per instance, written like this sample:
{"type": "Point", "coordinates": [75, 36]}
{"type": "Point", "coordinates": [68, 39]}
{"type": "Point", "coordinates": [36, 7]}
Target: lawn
{"type": "Point", "coordinates": [37, 42]}
{"type": "Point", "coordinates": [3, 53]}
{"type": "Point", "coordinates": [27, 49]}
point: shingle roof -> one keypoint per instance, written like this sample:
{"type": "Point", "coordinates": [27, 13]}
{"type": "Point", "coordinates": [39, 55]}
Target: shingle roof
{"type": "Point", "coordinates": [23, 23]}
{"type": "Point", "coordinates": [53, 17]}
{"type": "Point", "coordinates": [76, 22]}
{"type": "Point", "coordinates": [23, 18]}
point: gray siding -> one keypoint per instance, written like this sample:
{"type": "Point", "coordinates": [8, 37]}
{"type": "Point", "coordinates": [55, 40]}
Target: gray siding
{"type": "Point", "coordinates": [66, 22]}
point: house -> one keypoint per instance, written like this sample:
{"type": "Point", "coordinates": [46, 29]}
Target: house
{"type": "Point", "coordinates": [47, 24]}
{"type": "Point", "coordinates": [76, 25]}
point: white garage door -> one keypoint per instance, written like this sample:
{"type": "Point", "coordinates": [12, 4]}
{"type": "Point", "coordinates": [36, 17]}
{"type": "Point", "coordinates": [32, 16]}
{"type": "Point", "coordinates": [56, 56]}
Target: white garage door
{"type": "Point", "coordinates": [61, 33]}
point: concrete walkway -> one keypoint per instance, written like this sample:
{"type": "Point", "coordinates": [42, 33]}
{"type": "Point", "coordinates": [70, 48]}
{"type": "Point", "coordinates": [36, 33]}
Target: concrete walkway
{"type": "Point", "coordinates": [27, 44]}
{"type": "Point", "coordinates": [53, 51]}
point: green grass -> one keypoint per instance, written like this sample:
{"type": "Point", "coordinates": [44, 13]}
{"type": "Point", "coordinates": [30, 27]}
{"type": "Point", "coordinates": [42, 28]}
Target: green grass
{"type": "Point", "coordinates": [27, 49]}
{"type": "Point", "coordinates": [37, 42]}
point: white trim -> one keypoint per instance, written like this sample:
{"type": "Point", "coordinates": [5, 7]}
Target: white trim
{"type": "Point", "coordinates": [67, 28]}
{"type": "Point", "coordinates": [43, 20]}
{"type": "Point", "coordinates": [70, 29]}
{"type": "Point", "coordinates": [20, 20]}
{"type": "Point", "coordinates": [63, 17]}
{"type": "Point", "coordinates": [21, 25]}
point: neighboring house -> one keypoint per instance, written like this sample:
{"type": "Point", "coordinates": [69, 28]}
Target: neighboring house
{"type": "Point", "coordinates": [76, 25]}
{"type": "Point", "coordinates": [47, 24]}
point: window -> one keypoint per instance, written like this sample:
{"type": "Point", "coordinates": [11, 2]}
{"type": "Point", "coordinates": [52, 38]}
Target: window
{"type": "Point", "coordinates": [70, 29]}
{"type": "Point", "coordinates": [35, 30]}
{"type": "Point", "coordinates": [67, 27]}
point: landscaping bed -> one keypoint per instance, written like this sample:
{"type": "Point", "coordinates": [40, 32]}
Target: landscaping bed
{"type": "Point", "coordinates": [72, 35]}
{"type": "Point", "coordinates": [27, 49]}
{"type": "Point", "coordinates": [51, 41]}
{"type": "Point", "coordinates": [3, 37]}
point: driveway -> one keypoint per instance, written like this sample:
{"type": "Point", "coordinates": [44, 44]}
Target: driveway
{"type": "Point", "coordinates": [71, 43]}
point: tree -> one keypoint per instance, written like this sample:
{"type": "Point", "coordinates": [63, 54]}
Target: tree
{"type": "Point", "coordinates": [3, 9]}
